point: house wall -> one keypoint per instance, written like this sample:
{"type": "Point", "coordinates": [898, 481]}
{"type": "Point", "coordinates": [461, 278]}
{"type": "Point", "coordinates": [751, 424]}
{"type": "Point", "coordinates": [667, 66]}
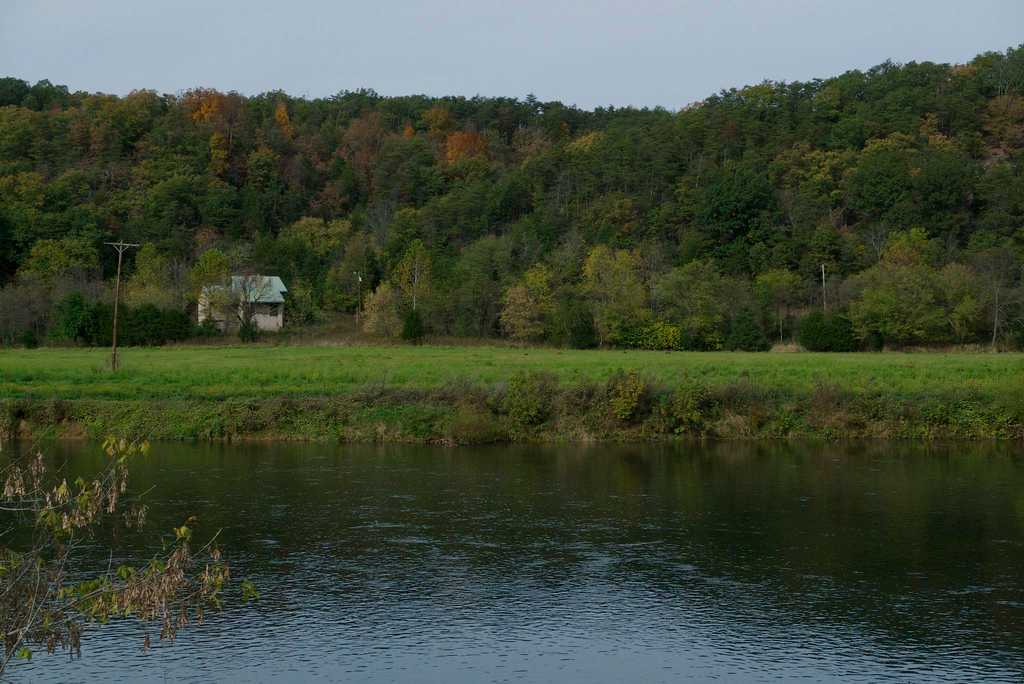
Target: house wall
{"type": "Point", "coordinates": [204, 311]}
{"type": "Point", "coordinates": [267, 317]}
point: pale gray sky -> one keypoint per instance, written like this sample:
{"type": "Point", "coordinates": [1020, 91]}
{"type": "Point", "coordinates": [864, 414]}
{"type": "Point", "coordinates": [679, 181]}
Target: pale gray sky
{"type": "Point", "coordinates": [586, 52]}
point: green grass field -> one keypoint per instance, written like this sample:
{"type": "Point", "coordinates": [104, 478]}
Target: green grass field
{"type": "Point", "coordinates": [266, 372]}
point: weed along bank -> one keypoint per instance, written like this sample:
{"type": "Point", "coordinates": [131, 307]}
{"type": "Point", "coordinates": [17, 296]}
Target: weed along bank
{"type": "Point", "coordinates": [255, 300]}
{"type": "Point", "coordinates": [460, 395]}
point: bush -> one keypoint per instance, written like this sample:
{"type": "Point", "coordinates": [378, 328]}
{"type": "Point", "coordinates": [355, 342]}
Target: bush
{"type": "Point", "coordinates": [100, 325]}
{"type": "Point", "coordinates": [28, 339]}
{"type": "Point", "coordinates": [145, 325]}
{"type": "Point", "coordinates": [176, 325]}
{"type": "Point", "coordinates": [529, 397]}
{"type": "Point", "coordinates": [412, 327]}
{"type": "Point", "coordinates": [688, 406]}
{"type": "Point", "coordinates": [746, 335]}
{"type": "Point", "coordinates": [141, 326]}
{"type": "Point", "coordinates": [248, 331]}
{"type": "Point", "coordinates": [658, 336]}
{"type": "Point", "coordinates": [626, 393]}
{"type": "Point", "coordinates": [71, 319]}
{"type": "Point", "coordinates": [827, 333]}
{"type": "Point", "coordinates": [1016, 333]}
{"type": "Point", "coordinates": [207, 328]}
{"type": "Point", "coordinates": [574, 326]}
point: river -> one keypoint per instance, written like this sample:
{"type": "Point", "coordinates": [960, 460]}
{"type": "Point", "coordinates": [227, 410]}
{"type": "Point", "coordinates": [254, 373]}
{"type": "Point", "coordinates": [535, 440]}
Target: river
{"type": "Point", "coordinates": [731, 561]}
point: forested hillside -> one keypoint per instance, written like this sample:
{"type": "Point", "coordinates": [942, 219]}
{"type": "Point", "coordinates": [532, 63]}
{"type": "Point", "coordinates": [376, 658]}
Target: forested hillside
{"type": "Point", "coordinates": [704, 228]}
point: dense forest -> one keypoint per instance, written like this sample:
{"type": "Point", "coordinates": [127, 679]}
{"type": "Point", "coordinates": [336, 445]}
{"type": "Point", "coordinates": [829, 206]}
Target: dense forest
{"type": "Point", "coordinates": [877, 208]}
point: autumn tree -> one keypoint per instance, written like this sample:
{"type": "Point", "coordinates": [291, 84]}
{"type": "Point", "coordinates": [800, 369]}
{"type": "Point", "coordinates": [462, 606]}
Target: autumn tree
{"type": "Point", "coordinates": [528, 305]}
{"type": "Point", "coordinates": [464, 145]}
{"type": "Point", "coordinates": [50, 259]}
{"type": "Point", "coordinates": [413, 274]}
{"type": "Point", "coordinates": [381, 312]}
{"type": "Point", "coordinates": [48, 596]}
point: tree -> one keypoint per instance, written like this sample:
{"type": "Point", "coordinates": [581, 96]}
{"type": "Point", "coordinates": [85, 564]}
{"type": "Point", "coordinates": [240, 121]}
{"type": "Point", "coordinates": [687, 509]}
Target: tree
{"type": "Point", "coordinates": [412, 327]}
{"type": "Point", "coordinates": [961, 295]}
{"type": "Point", "coordinates": [46, 602]}
{"type": "Point", "coordinates": [50, 259]}
{"type": "Point", "coordinates": [778, 289]}
{"type": "Point", "coordinates": [381, 312]}
{"type": "Point", "coordinates": [694, 297]}
{"type": "Point", "coordinates": [412, 275]}
{"type": "Point", "coordinates": [475, 296]}
{"type": "Point", "coordinates": [212, 269]}
{"type": "Point", "coordinates": [820, 332]}
{"type": "Point", "coordinates": [775, 177]}
{"type": "Point", "coordinates": [528, 305]}
{"type": "Point", "coordinates": [323, 238]}
{"type": "Point", "coordinates": [70, 318]}
{"type": "Point", "coordinates": [611, 282]}
{"type": "Point", "coordinates": [998, 269]}
{"type": "Point", "coordinates": [352, 276]}
{"type": "Point", "coordinates": [899, 299]}
{"type": "Point", "coordinates": [151, 282]}
{"type": "Point", "coordinates": [465, 145]}
{"type": "Point", "coordinates": [24, 311]}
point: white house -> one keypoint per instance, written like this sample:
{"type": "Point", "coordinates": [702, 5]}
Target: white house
{"type": "Point", "coordinates": [258, 297]}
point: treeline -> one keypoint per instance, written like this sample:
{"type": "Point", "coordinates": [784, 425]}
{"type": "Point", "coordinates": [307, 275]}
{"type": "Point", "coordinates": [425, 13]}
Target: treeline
{"type": "Point", "coordinates": [885, 207]}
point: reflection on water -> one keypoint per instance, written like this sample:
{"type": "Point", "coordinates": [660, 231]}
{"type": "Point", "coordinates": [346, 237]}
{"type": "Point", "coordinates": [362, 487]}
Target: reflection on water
{"type": "Point", "coordinates": [741, 562]}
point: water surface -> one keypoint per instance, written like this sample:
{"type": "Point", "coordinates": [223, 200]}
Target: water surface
{"type": "Point", "coordinates": [734, 562]}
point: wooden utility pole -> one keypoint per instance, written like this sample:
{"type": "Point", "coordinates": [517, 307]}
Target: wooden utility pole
{"type": "Point", "coordinates": [824, 299]}
{"type": "Point", "coordinates": [359, 302]}
{"type": "Point", "coordinates": [120, 246]}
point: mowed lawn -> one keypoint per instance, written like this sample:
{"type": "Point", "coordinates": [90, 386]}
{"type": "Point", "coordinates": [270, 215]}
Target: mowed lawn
{"type": "Point", "coordinates": [266, 371]}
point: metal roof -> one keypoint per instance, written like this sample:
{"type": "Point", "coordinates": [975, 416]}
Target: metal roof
{"type": "Point", "coordinates": [259, 289]}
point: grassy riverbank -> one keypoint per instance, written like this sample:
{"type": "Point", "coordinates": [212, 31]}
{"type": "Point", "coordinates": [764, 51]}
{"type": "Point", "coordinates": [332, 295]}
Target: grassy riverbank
{"type": "Point", "coordinates": [463, 394]}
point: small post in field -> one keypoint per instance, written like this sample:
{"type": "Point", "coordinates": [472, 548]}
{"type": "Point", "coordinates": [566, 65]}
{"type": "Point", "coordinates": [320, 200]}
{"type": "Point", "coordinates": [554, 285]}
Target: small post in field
{"type": "Point", "coordinates": [120, 246]}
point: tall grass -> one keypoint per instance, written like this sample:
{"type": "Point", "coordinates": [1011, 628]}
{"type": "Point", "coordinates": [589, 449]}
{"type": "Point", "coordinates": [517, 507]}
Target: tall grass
{"type": "Point", "coordinates": [269, 372]}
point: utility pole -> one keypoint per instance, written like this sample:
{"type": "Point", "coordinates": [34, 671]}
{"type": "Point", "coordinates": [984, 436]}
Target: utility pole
{"type": "Point", "coordinates": [359, 302]}
{"type": "Point", "coordinates": [120, 246]}
{"type": "Point", "coordinates": [824, 297]}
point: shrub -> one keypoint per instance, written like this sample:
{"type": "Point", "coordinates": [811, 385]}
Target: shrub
{"type": "Point", "coordinates": [475, 425]}
{"type": "Point", "coordinates": [746, 335]}
{"type": "Point", "coordinates": [529, 397]}
{"type": "Point", "coordinates": [207, 328]}
{"type": "Point", "coordinates": [688, 406]}
{"type": "Point", "coordinates": [1016, 333]}
{"type": "Point", "coordinates": [99, 325]}
{"type": "Point", "coordinates": [827, 333]}
{"type": "Point", "coordinates": [141, 326]}
{"type": "Point", "coordinates": [655, 336]}
{"type": "Point", "coordinates": [574, 326]}
{"type": "Point", "coordinates": [71, 318]}
{"type": "Point", "coordinates": [145, 325]}
{"type": "Point", "coordinates": [412, 327]}
{"type": "Point", "coordinates": [248, 332]}
{"type": "Point", "coordinates": [176, 324]}
{"type": "Point", "coordinates": [28, 339]}
{"type": "Point", "coordinates": [626, 393]}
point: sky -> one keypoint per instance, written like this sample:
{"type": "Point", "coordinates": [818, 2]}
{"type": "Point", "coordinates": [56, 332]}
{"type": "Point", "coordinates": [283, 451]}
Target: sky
{"type": "Point", "coordinates": [584, 52]}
